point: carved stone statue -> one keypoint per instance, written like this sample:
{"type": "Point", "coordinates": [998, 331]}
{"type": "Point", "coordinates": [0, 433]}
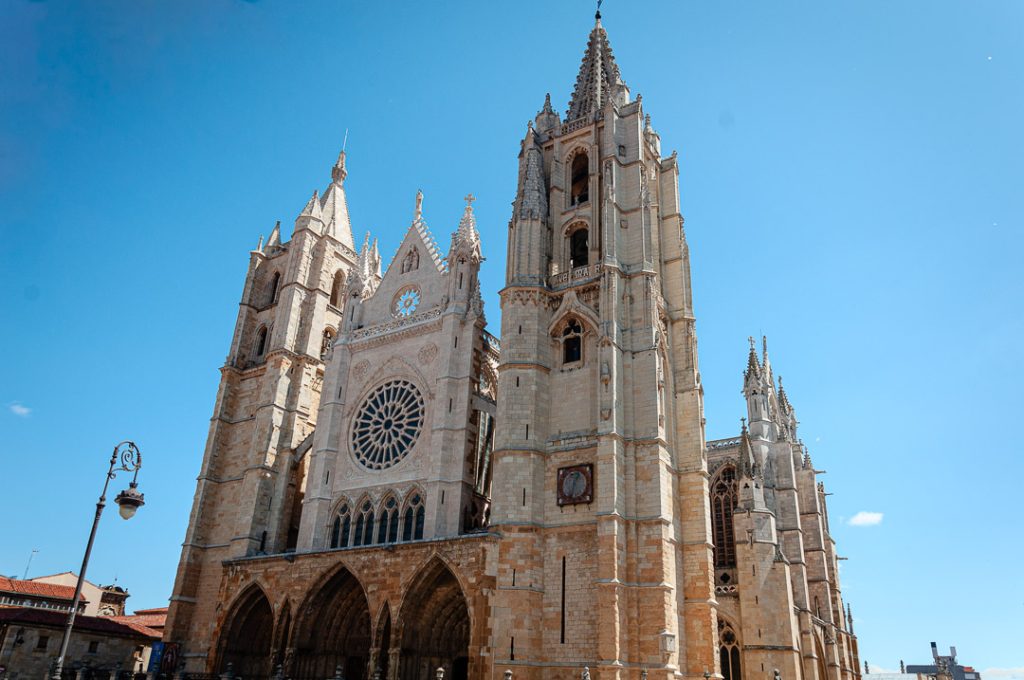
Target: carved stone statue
{"type": "Point", "coordinates": [586, 673]}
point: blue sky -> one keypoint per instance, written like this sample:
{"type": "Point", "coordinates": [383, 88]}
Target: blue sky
{"type": "Point", "coordinates": [850, 178]}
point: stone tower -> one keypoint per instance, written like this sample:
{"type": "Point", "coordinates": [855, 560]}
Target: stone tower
{"type": "Point", "coordinates": [251, 482]}
{"type": "Point", "coordinates": [599, 447]}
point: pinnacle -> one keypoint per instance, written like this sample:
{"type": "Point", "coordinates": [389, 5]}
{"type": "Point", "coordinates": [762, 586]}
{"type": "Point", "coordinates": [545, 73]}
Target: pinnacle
{"type": "Point", "coordinates": [338, 172]}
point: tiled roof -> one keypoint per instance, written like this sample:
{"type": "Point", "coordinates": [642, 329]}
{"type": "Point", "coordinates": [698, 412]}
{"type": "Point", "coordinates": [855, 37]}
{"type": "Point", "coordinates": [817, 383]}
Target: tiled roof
{"type": "Point", "coordinates": [105, 625]}
{"type": "Point", "coordinates": [37, 589]}
{"type": "Point", "coordinates": [155, 620]}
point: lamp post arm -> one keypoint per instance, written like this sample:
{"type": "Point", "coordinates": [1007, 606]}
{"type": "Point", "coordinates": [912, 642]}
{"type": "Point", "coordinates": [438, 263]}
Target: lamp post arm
{"type": "Point", "coordinates": [100, 504]}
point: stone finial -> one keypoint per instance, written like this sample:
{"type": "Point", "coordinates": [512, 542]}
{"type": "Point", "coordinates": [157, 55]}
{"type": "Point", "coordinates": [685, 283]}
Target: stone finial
{"type": "Point", "coordinates": [338, 172]}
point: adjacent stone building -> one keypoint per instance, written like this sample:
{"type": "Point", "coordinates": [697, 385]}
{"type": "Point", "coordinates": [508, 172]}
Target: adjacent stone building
{"type": "Point", "coordinates": [386, 489]}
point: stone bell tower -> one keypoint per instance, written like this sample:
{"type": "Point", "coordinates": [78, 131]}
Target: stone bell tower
{"type": "Point", "coordinates": [601, 480]}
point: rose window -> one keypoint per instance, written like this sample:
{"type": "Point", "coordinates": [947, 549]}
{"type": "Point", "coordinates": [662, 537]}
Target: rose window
{"type": "Point", "coordinates": [387, 424]}
{"type": "Point", "coordinates": [406, 302]}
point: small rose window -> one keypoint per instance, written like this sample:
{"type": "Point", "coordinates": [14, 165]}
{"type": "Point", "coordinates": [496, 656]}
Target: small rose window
{"type": "Point", "coordinates": [406, 302]}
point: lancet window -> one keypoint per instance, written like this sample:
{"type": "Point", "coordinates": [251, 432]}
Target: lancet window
{"type": "Point", "coordinates": [364, 525]}
{"type": "Point", "coordinates": [413, 520]}
{"type": "Point", "coordinates": [261, 342]}
{"type": "Point", "coordinates": [325, 344]}
{"type": "Point", "coordinates": [387, 525]}
{"type": "Point", "coordinates": [272, 290]}
{"type": "Point", "coordinates": [579, 248]}
{"type": "Point", "coordinates": [723, 501]}
{"type": "Point", "coordinates": [337, 288]}
{"type": "Point", "coordinates": [729, 651]}
{"type": "Point", "coordinates": [580, 179]}
{"type": "Point", "coordinates": [342, 527]}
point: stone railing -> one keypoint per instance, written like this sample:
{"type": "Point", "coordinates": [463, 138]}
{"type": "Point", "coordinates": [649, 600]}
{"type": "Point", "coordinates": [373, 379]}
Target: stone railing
{"type": "Point", "coordinates": [490, 342]}
{"type": "Point", "coordinates": [716, 444]}
{"type": "Point", "coordinates": [396, 324]}
{"type": "Point", "coordinates": [574, 276]}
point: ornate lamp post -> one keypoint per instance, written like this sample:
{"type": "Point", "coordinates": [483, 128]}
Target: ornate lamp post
{"type": "Point", "coordinates": [126, 458]}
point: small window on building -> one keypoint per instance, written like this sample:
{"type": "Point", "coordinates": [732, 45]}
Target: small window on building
{"type": "Point", "coordinates": [94, 646]}
{"type": "Point", "coordinates": [579, 248]}
{"type": "Point", "coordinates": [580, 183]}
{"type": "Point", "coordinates": [341, 528]}
{"type": "Point", "coordinates": [572, 342]}
{"type": "Point", "coordinates": [336, 288]}
{"type": "Point", "coordinates": [42, 642]}
{"type": "Point", "coordinates": [272, 291]}
{"type": "Point", "coordinates": [261, 342]}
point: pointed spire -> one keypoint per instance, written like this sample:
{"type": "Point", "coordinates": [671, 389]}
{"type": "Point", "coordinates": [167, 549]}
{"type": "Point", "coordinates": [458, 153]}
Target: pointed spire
{"type": "Point", "coordinates": [746, 452]}
{"type": "Point", "coordinates": [753, 366]}
{"type": "Point", "coordinates": [547, 104]}
{"type": "Point", "coordinates": [312, 208]}
{"type": "Point", "coordinates": [467, 232]}
{"type": "Point", "coordinates": [547, 118]}
{"type": "Point", "coordinates": [259, 246]}
{"type": "Point", "coordinates": [338, 172]}
{"type": "Point", "coordinates": [275, 235]}
{"type": "Point", "coordinates": [598, 78]}
{"type": "Point", "coordinates": [807, 464]}
{"type": "Point", "coordinates": [766, 364]}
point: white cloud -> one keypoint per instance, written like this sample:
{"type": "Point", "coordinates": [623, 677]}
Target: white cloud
{"type": "Point", "coordinates": [1004, 673]}
{"type": "Point", "coordinates": [865, 519]}
{"type": "Point", "coordinates": [20, 410]}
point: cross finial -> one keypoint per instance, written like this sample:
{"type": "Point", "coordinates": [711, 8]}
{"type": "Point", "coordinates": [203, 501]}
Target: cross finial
{"type": "Point", "coordinates": [469, 199]}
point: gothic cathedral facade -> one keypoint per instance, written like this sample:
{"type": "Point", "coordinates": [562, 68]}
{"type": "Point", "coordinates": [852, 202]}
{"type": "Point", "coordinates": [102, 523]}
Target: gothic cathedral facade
{"type": "Point", "coordinates": [388, 492]}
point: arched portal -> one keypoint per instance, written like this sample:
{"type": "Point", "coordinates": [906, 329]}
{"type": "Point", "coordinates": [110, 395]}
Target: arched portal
{"type": "Point", "coordinates": [435, 627]}
{"type": "Point", "coordinates": [335, 630]}
{"type": "Point", "coordinates": [247, 640]}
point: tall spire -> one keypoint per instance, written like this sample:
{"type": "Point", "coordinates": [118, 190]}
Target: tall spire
{"type": "Point", "coordinates": [338, 172]}
{"type": "Point", "coordinates": [334, 206]}
{"type": "Point", "coordinates": [598, 78]}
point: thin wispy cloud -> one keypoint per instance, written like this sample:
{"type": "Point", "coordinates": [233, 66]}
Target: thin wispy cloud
{"type": "Point", "coordinates": [20, 410]}
{"type": "Point", "coordinates": [1004, 673]}
{"type": "Point", "coordinates": [865, 519]}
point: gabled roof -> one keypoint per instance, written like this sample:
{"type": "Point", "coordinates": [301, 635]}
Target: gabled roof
{"type": "Point", "coordinates": [37, 589]}
{"type": "Point", "coordinates": [105, 625]}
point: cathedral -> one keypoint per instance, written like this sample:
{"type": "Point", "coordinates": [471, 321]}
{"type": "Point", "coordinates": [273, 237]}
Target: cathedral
{"type": "Point", "coordinates": [390, 491]}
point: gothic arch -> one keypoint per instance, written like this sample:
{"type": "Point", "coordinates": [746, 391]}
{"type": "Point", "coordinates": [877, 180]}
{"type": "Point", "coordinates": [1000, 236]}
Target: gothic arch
{"type": "Point", "coordinates": [247, 634]}
{"type": "Point", "coordinates": [729, 649]}
{"type": "Point", "coordinates": [434, 625]}
{"type": "Point", "coordinates": [382, 641]}
{"type": "Point", "coordinates": [577, 166]}
{"type": "Point", "coordinates": [819, 652]}
{"type": "Point", "coordinates": [723, 497]}
{"type": "Point", "coordinates": [338, 289]}
{"type": "Point", "coordinates": [333, 629]}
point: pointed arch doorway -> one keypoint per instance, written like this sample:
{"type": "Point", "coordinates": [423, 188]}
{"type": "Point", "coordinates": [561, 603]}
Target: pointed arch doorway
{"type": "Point", "coordinates": [247, 640]}
{"type": "Point", "coordinates": [334, 631]}
{"type": "Point", "coordinates": [435, 627]}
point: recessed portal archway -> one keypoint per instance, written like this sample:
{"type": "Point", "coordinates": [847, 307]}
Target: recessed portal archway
{"type": "Point", "coordinates": [249, 630]}
{"type": "Point", "coordinates": [334, 630]}
{"type": "Point", "coordinates": [435, 626]}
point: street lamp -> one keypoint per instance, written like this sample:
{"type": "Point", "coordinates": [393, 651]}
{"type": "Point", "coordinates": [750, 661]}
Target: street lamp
{"type": "Point", "coordinates": [126, 458]}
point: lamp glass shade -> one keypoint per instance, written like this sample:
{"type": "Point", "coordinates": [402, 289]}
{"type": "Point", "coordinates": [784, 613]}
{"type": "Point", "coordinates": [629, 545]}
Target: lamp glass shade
{"type": "Point", "coordinates": [127, 510]}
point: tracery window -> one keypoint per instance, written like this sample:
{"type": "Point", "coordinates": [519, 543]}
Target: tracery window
{"type": "Point", "coordinates": [387, 424]}
{"type": "Point", "coordinates": [387, 525]}
{"type": "Point", "coordinates": [412, 523]}
{"type": "Point", "coordinates": [723, 501]}
{"type": "Point", "coordinates": [729, 651]}
{"type": "Point", "coordinates": [342, 527]}
{"type": "Point", "coordinates": [572, 342]}
{"type": "Point", "coordinates": [580, 182]}
{"type": "Point", "coordinates": [406, 302]}
{"type": "Point", "coordinates": [364, 525]}
{"type": "Point", "coordinates": [579, 248]}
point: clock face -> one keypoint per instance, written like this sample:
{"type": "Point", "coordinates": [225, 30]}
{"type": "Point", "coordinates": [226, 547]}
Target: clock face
{"type": "Point", "coordinates": [576, 484]}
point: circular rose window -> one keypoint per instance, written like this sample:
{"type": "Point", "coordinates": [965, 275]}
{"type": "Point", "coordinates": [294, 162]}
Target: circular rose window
{"type": "Point", "coordinates": [387, 424]}
{"type": "Point", "coordinates": [406, 302]}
